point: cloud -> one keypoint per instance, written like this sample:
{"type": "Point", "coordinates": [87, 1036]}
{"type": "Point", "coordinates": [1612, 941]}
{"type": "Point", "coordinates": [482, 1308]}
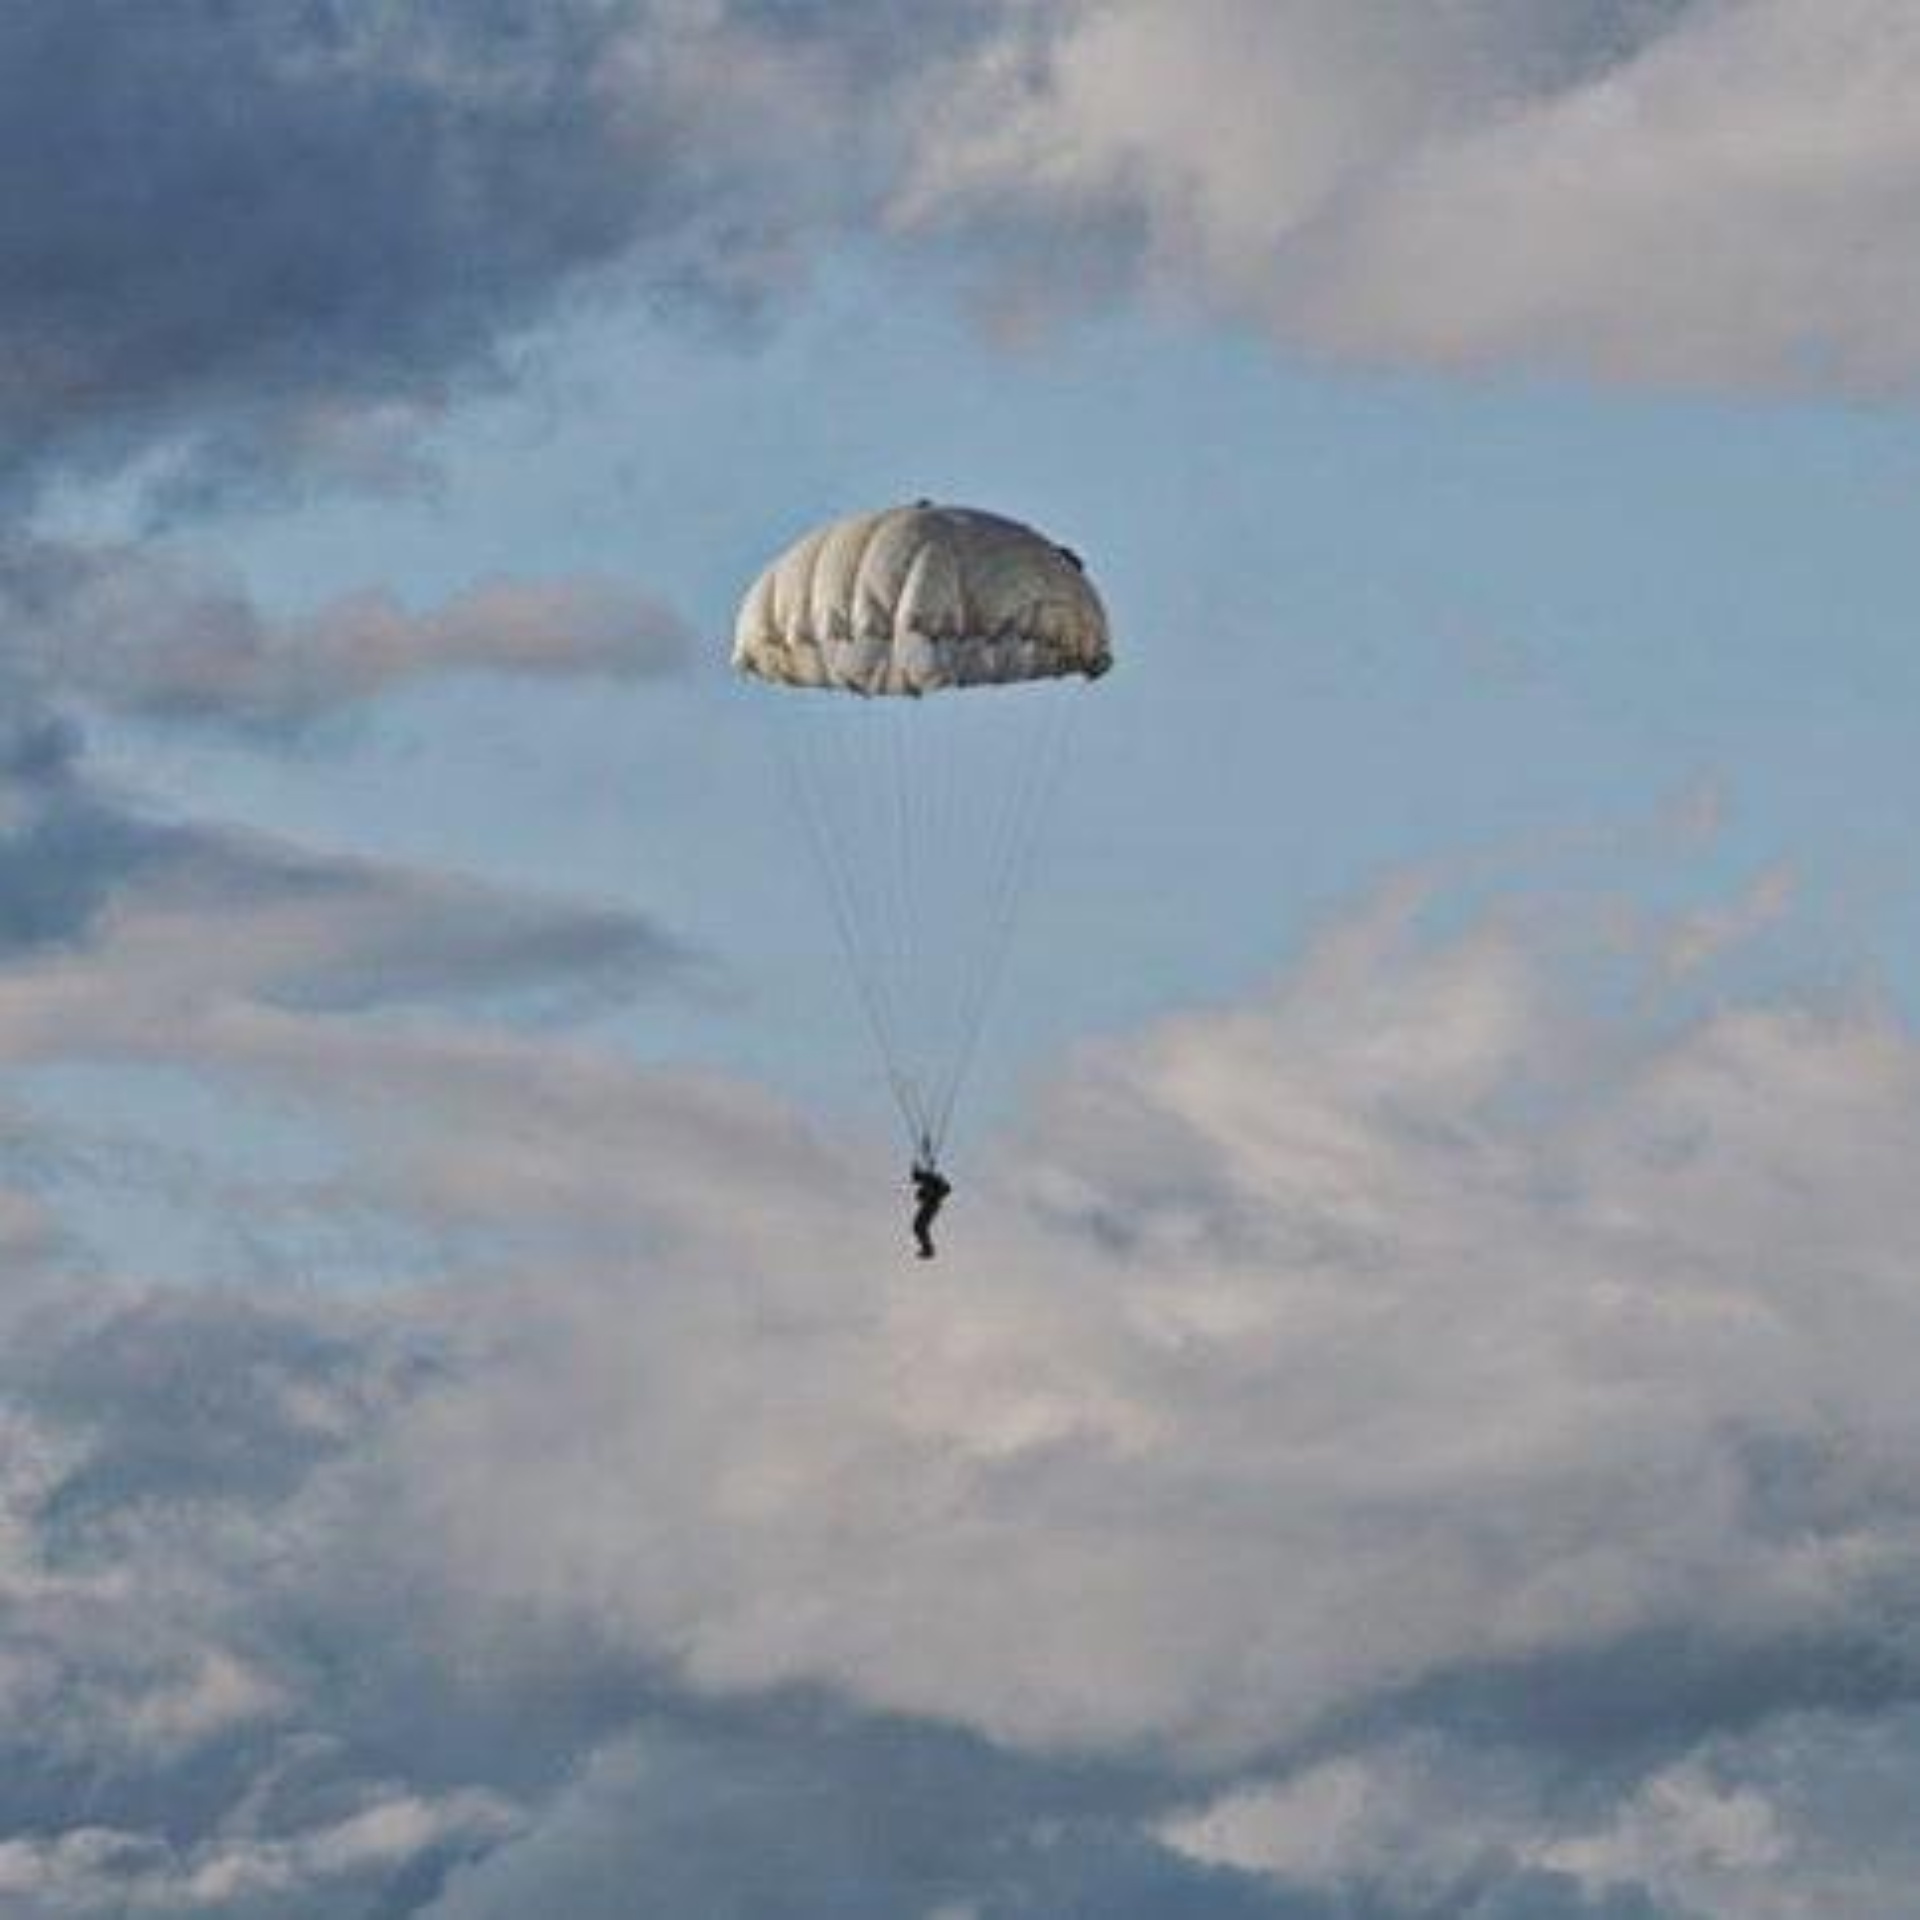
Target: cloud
{"type": "Point", "coordinates": [1405, 1438]}
{"type": "Point", "coordinates": [129, 630]}
{"type": "Point", "coordinates": [149, 948]}
{"type": "Point", "coordinates": [364, 208]}
{"type": "Point", "coordinates": [140, 919]}
{"type": "Point", "coordinates": [240, 297]}
{"type": "Point", "coordinates": [1786, 1821]}
{"type": "Point", "coordinates": [288, 281]}
{"type": "Point", "coordinates": [1705, 192]}
{"type": "Point", "coordinates": [1702, 191]}
{"type": "Point", "coordinates": [1429, 1433]}
{"type": "Point", "coordinates": [781, 1818]}
{"type": "Point", "coordinates": [334, 1868]}
{"type": "Point", "coordinates": [1316, 1355]}
{"type": "Point", "coordinates": [224, 1694]}
{"type": "Point", "coordinates": [131, 942]}
{"type": "Point", "coordinates": [370, 205]}
{"type": "Point", "coordinates": [288, 284]}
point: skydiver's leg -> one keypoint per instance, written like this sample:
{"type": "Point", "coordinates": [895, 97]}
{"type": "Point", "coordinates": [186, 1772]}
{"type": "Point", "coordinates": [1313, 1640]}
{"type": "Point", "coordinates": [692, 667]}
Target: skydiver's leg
{"type": "Point", "coordinates": [922, 1220]}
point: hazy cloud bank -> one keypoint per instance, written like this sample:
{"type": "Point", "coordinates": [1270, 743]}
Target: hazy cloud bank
{"type": "Point", "coordinates": [289, 278]}
{"type": "Point", "coordinates": [125, 629]}
{"type": "Point", "coordinates": [1701, 192]}
{"type": "Point", "coordinates": [1409, 1439]}
{"type": "Point", "coordinates": [116, 923]}
{"type": "Point", "coordinates": [281, 273]}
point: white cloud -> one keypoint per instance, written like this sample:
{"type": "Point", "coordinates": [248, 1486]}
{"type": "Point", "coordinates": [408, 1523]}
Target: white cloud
{"type": "Point", "coordinates": [130, 630]}
{"type": "Point", "coordinates": [101, 1871]}
{"type": "Point", "coordinates": [1680, 1825]}
{"type": "Point", "coordinates": [1407, 1355]}
{"type": "Point", "coordinates": [1696, 191]}
{"type": "Point", "coordinates": [1797, 1819]}
{"type": "Point", "coordinates": [403, 196]}
{"type": "Point", "coordinates": [1308, 1352]}
{"type": "Point", "coordinates": [1703, 191]}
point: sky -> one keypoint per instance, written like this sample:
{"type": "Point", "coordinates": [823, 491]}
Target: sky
{"type": "Point", "coordinates": [1413, 1415]}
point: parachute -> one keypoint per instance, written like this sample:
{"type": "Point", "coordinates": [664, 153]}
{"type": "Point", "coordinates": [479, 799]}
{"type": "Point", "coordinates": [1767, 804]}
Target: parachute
{"type": "Point", "coordinates": [922, 815]}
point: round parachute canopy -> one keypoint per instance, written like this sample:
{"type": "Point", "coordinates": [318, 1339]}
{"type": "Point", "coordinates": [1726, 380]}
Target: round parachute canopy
{"type": "Point", "coordinates": [921, 599]}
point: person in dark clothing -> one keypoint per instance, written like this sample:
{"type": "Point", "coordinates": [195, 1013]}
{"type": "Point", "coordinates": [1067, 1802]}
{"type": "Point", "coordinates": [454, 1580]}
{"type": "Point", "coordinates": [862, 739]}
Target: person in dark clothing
{"type": "Point", "coordinates": [930, 1191]}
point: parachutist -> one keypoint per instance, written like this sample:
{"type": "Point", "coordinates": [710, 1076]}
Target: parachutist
{"type": "Point", "coordinates": [931, 1191]}
{"type": "Point", "coordinates": [914, 603]}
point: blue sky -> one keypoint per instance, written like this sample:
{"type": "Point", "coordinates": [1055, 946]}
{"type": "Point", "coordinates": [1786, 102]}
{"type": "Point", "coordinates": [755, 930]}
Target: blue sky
{"type": "Point", "coordinates": [1369, 621]}
{"type": "Point", "coordinates": [1414, 1413]}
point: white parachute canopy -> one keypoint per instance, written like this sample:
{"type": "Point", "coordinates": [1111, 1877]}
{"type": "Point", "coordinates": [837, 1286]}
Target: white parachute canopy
{"type": "Point", "coordinates": [924, 816]}
{"type": "Point", "coordinates": [921, 599]}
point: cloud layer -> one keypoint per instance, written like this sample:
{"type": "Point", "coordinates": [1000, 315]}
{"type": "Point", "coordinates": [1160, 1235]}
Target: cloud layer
{"type": "Point", "coordinates": [1705, 192]}
{"type": "Point", "coordinates": [120, 931]}
{"type": "Point", "coordinates": [1435, 1436]}
{"type": "Point", "coordinates": [123, 629]}
{"type": "Point", "coordinates": [285, 279]}
{"type": "Point", "coordinates": [1702, 191]}
{"type": "Point", "coordinates": [1407, 1440]}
